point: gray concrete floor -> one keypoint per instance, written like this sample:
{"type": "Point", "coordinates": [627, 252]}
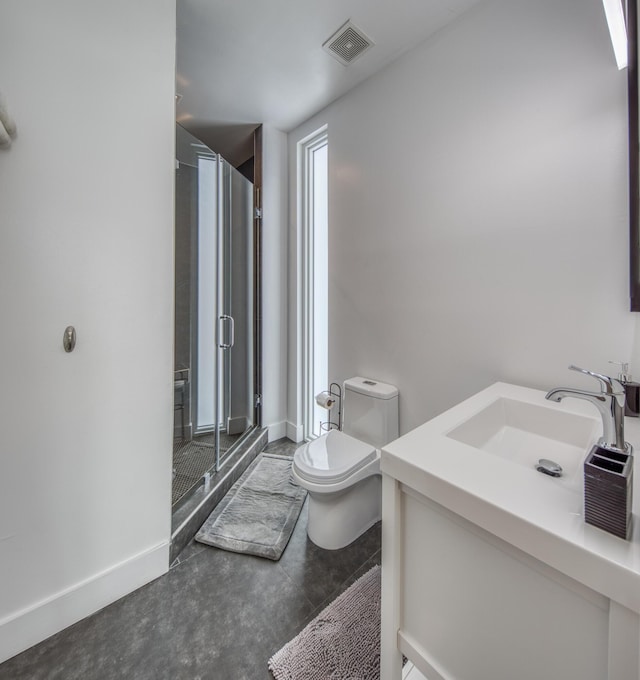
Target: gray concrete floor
{"type": "Point", "coordinates": [214, 615]}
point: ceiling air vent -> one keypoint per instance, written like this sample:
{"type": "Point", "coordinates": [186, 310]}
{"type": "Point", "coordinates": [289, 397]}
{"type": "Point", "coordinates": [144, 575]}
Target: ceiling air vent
{"type": "Point", "coordinates": [347, 44]}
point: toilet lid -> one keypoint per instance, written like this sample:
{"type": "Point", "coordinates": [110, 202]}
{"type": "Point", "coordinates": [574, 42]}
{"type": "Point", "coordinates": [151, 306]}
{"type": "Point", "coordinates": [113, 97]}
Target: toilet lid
{"type": "Point", "coordinates": [332, 457]}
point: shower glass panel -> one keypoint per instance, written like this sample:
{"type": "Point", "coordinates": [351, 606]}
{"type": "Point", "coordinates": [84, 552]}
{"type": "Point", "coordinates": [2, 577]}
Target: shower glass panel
{"type": "Point", "coordinates": [214, 343]}
{"type": "Point", "coordinates": [206, 287]}
{"type": "Point", "coordinates": [235, 310]}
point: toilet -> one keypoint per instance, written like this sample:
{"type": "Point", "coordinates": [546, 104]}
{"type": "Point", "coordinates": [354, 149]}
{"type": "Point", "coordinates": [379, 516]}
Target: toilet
{"type": "Point", "coordinates": [341, 469]}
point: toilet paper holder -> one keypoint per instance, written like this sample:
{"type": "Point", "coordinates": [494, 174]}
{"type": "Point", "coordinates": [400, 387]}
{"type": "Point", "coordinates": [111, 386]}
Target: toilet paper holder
{"type": "Point", "coordinates": [329, 399]}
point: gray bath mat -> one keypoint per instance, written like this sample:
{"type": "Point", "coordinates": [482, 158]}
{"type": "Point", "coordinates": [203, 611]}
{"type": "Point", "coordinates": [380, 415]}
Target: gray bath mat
{"type": "Point", "coordinates": [260, 511]}
{"type": "Point", "coordinates": [341, 643]}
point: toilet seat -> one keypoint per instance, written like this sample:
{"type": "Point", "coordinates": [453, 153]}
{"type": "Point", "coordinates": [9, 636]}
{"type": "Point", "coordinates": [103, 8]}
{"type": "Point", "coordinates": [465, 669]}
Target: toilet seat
{"type": "Point", "coordinates": [332, 458]}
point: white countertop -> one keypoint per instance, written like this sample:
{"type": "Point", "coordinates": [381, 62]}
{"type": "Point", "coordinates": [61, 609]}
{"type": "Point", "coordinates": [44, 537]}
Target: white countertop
{"type": "Point", "coordinates": [538, 514]}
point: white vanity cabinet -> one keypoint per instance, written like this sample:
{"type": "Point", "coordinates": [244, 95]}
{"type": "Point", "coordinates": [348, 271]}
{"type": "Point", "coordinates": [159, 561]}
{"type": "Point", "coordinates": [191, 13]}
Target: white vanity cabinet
{"type": "Point", "coordinates": [488, 570]}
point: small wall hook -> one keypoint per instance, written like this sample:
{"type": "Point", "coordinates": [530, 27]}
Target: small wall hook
{"type": "Point", "coordinates": [69, 339]}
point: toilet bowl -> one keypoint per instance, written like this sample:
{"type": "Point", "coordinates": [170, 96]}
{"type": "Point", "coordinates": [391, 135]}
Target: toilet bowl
{"type": "Point", "coordinates": [342, 476]}
{"type": "Point", "coordinates": [341, 469]}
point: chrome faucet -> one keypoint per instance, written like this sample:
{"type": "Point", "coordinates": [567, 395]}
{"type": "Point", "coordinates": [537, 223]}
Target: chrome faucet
{"type": "Point", "coordinates": [609, 401]}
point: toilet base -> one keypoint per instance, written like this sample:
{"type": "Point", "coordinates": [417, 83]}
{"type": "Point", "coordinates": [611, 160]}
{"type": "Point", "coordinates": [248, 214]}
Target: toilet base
{"type": "Point", "coordinates": [337, 519]}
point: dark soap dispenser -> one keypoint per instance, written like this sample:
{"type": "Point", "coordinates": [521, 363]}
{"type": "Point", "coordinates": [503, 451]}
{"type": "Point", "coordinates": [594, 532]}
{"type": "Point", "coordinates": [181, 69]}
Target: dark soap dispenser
{"type": "Point", "coordinates": [631, 388]}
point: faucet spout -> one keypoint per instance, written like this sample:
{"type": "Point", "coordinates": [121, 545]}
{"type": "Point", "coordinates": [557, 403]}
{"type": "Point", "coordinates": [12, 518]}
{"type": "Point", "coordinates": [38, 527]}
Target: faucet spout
{"type": "Point", "coordinates": [559, 393]}
{"type": "Point", "coordinates": [611, 407]}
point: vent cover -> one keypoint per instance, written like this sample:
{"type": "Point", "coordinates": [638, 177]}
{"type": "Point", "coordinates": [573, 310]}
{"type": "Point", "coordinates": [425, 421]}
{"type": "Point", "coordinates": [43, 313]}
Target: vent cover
{"type": "Point", "coordinates": [347, 44]}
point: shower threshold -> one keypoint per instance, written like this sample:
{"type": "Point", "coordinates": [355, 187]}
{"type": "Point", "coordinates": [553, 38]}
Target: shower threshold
{"type": "Point", "coordinates": [194, 459]}
{"type": "Point", "coordinates": [192, 510]}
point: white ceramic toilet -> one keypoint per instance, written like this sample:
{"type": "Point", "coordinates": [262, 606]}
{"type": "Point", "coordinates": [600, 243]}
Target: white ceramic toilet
{"type": "Point", "coordinates": [341, 469]}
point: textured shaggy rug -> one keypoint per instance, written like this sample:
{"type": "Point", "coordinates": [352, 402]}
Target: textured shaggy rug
{"type": "Point", "coordinates": [341, 643]}
{"type": "Point", "coordinates": [260, 511]}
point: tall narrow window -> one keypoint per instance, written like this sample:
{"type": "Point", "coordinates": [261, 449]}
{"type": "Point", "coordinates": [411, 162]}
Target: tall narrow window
{"type": "Point", "coordinates": [315, 304]}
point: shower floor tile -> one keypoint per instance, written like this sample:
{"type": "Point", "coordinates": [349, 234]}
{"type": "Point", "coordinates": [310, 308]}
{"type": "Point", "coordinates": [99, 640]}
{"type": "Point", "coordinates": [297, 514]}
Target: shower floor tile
{"type": "Point", "coordinates": [215, 615]}
{"type": "Point", "coordinates": [191, 459]}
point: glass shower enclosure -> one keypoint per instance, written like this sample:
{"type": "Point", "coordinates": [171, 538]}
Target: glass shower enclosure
{"type": "Point", "coordinates": [214, 394]}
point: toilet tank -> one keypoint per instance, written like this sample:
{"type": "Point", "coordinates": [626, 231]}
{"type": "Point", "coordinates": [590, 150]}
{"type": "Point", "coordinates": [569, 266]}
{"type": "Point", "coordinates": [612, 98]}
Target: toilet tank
{"type": "Point", "coordinates": [370, 411]}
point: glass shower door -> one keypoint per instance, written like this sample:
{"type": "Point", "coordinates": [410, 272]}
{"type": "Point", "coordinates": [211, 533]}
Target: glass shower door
{"type": "Point", "coordinates": [236, 308]}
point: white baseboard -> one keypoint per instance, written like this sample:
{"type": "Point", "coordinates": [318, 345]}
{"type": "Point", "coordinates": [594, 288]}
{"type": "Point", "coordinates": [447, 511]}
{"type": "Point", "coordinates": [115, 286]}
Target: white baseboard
{"type": "Point", "coordinates": [277, 431]}
{"type": "Point", "coordinates": [295, 432]}
{"type": "Point", "coordinates": [34, 624]}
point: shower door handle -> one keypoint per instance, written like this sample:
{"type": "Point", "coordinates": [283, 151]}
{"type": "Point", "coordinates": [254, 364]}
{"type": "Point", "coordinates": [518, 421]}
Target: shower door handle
{"type": "Point", "coordinates": [232, 332]}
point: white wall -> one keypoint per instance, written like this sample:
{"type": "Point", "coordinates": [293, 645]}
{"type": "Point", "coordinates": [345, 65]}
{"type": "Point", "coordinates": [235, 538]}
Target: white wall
{"type": "Point", "coordinates": [274, 282]}
{"type": "Point", "coordinates": [478, 209]}
{"type": "Point", "coordinates": [86, 204]}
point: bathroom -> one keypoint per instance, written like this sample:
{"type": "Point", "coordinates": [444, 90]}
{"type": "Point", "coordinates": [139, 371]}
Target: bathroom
{"type": "Point", "coordinates": [478, 232]}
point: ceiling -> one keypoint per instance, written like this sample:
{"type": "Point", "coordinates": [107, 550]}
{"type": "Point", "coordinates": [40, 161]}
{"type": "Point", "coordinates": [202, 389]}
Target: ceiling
{"type": "Point", "coordinates": [245, 62]}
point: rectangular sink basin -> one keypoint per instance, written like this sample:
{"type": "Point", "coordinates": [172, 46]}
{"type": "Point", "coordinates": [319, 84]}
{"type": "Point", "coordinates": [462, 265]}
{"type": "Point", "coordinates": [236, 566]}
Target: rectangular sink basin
{"type": "Point", "coordinates": [522, 433]}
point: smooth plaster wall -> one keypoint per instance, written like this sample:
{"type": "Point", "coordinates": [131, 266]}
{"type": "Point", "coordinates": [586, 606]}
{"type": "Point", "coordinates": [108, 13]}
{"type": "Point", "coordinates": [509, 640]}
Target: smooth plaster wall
{"type": "Point", "coordinates": [86, 196]}
{"type": "Point", "coordinates": [274, 282]}
{"type": "Point", "coordinates": [478, 210]}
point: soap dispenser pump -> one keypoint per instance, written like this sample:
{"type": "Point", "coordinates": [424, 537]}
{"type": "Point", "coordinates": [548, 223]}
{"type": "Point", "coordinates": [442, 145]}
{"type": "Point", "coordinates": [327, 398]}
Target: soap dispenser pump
{"type": "Point", "coordinates": [631, 388]}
